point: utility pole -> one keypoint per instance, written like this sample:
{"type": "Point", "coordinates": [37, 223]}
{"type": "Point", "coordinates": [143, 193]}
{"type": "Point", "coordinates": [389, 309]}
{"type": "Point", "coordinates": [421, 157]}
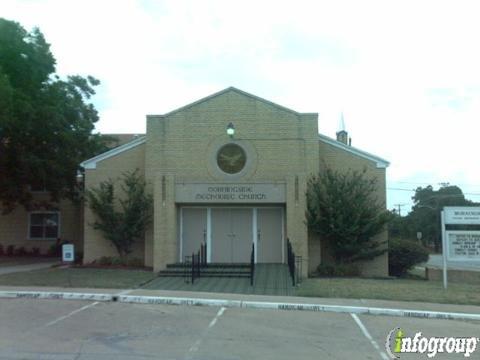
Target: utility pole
{"type": "Point", "coordinates": [399, 208]}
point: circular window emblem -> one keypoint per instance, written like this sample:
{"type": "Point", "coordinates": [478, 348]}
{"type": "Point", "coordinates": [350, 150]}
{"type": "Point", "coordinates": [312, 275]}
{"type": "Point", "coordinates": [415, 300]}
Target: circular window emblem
{"type": "Point", "coordinates": [231, 158]}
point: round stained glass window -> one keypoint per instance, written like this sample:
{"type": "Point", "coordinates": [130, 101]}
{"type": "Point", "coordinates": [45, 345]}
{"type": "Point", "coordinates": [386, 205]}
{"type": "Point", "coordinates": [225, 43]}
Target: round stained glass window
{"type": "Point", "coordinates": [231, 158]}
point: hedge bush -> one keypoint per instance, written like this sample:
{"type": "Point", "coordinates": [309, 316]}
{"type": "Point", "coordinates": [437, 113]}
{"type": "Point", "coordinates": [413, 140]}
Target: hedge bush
{"type": "Point", "coordinates": [119, 261]}
{"type": "Point", "coordinates": [404, 255]}
{"type": "Point", "coordinates": [338, 270]}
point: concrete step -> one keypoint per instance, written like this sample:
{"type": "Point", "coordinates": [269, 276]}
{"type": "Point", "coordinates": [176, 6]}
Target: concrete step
{"type": "Point", "coordinates": [217, 275]}
{"type": "Point", "coordinates": [205, 271]}
{"type": "Point", "coordinates": [211, 266]}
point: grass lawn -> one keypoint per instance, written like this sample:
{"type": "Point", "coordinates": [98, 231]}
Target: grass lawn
{"type": "Point", "coordinates": [81, 278]}
{"type": "Point", "coordinates": [395, 289]}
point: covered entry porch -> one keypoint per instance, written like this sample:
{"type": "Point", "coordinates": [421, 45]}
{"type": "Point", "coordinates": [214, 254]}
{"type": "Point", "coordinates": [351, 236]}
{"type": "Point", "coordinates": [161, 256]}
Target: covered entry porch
{"type": "Point", "coordinates": [230, 231]}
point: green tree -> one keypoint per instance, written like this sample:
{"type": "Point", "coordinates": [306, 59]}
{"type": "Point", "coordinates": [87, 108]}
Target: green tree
{"type": "Point", "coordinates": [399, 226]}
{"type": "Point", "coordinates": [344, 210]}
{"type": "Point", "coordinates": [122, 218]}
{"type": "Point", "coordinates": [46, 122]}
{"type": "Point", "coordinates": [425, 214]}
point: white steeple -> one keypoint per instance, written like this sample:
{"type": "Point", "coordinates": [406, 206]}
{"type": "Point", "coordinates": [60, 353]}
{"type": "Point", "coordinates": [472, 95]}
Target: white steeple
{"type": "Point", "coordinates": [342, 134]}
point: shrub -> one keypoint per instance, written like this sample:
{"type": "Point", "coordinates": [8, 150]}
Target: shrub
{"type": "Point", "coordinates": [338, 270]}
{"type": "Point", "coordinates": [35, 251]}
{"type": "Point", "coordinates": [2, 252]}
{"type": "Point", "coordinates": [10, 250]}
{"type": "Point", "coordinates": [56, 249]}
{"type": "Point", "coordinates": [21, 251]}
{"type": "Point", "coordinates": [118, 261]}
{"type": "Point", "coordinates": [122, 219]}
{"type": "Point", "coordinates": [343, 208]}
{"type": "Point", "coordinates": [403, 255]}
{"type": "Point", "coordinates": [79, 258]}
{"type": "Point", "coordinates": [135, 262]}
{"type": "Point", "coordinates": [105, 260]}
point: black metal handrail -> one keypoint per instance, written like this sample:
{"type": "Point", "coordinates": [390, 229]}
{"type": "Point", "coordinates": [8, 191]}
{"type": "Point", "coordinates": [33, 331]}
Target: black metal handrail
{"type": "Point", "coordinates": [294, 264]}
{"type": "Point", "coordinates": [252, 264]}
{"type": "Point", "coordinates": [187, 266]}
{"type": "Point", "coordinates": [203, 254]}
{"type": "Point", "coordinates": [198, 261]}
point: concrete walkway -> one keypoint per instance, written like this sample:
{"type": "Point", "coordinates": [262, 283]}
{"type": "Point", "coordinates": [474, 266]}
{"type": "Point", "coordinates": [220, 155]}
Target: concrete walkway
{"type": "Point", "coordinates": [27, 267]}
{"type": "Point", "coordinates": [269, 279]}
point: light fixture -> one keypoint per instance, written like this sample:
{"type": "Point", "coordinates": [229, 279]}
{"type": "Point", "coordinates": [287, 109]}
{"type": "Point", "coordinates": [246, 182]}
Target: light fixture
{"type": "Point", "coordinates": [230, 130]}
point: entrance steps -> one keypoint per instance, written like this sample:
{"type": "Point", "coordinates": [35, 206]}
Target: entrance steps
{"type": "Point", "coordinates": [211, 270]}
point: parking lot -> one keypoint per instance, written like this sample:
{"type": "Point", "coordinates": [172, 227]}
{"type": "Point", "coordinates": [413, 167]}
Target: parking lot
{"type": "Point", "coordinates": [58, 329]}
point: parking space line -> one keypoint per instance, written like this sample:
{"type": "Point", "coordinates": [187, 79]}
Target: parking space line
{"type": "Point", "coordinates": [213, 322]}
{"type": "Point", "coordinates": [72, 313]}
{"type": "Point", "coordinates": [368, 336]}
{"type": "Point", "coordinates": [195, 346]}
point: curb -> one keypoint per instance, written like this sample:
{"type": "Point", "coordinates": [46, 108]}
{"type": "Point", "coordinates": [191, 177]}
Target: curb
{"type": "Point", "coordinates": [166, 300]}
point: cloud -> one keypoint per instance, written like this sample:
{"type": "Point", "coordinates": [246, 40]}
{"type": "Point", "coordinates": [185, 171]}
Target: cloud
{"type": "Point", "coordinates": [404, 73]}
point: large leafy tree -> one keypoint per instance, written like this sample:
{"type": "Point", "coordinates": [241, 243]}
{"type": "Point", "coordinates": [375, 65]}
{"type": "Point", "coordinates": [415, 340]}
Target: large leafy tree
{"type": "Point", "coordinates": [46, 122]}
{"type": "Point", "coordinates": [342, 207]}
{"type": "Point", "coordinates": [425, 214]}
{"type": "Point", "coordinates": [122, 212]}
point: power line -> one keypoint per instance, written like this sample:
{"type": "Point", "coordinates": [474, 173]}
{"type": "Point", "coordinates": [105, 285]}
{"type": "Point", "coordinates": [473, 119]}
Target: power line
{"type": "Point", "coordinates": [431, 183]}
{"type": "Point", "coordinates": [400, 208]}
{"type": "Point", "coordinates": [413, 190]}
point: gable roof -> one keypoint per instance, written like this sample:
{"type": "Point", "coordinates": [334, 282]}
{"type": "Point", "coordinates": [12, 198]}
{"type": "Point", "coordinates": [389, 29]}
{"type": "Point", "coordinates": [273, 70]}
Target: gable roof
{"type": "Point", "coordinates": [381, 163]}
{"type": "Point", "coordinates": [92, 163]}
{"type": "Point", "coordinates": [227, 90]}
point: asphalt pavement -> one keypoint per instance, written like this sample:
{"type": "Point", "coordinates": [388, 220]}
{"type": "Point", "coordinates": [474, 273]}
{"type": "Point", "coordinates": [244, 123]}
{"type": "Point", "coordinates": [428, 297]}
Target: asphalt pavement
{"type": "Point", "coordinates": [82, 330]}
{"type": "Point", "coordinates": [436, 261]}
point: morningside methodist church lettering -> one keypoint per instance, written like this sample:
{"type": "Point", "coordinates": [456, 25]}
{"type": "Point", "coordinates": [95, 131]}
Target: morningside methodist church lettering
{"type": "Point", "coordinates": [230, 193]}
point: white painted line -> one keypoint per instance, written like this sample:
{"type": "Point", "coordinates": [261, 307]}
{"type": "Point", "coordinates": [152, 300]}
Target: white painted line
{"type": "Point", "coordinates": [72, 313]}
{"type": "Point", "coordinates": [214, 321]}
{"type": "Point", "coordinates": [197, 344]}
{"type": "Point", "coordinates": [369, 337]}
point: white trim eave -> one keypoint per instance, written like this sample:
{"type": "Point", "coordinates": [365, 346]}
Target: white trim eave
{"type": "Point", "coordinates": [92, 163]}
{"type": "Point", "coordinates": [238, 91]}
{"type": "Point", "coordinates": [381, 163]}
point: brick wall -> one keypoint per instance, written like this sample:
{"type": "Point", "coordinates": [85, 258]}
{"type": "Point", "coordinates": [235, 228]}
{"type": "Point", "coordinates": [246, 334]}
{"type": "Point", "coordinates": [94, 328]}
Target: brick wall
{"type": "Point", "coordinates": [14, 227]}
{"type": "Point", "coordinates": [111, 168]}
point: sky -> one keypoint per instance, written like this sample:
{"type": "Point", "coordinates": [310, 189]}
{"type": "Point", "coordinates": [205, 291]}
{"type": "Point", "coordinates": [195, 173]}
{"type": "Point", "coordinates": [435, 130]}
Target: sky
{"type": "Point", "coordinates": [405, 74]}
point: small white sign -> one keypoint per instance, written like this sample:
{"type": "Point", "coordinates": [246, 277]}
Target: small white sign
{"type": "Point", "coordinates": [462, 215]}
{"type": "Point", "coordinates": [463, 245]}
{"type": "Point", "coordinates": [68, 253]}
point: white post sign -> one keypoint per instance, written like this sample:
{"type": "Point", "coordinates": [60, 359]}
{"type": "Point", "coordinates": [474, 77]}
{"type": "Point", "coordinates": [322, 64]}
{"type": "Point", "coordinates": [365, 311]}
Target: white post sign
{"type": "Point", "coordinates": [463, 245]}
{"type": "Point", "coordinates": [68, 253]}
{"type": "Point", "coordinates": [459, 245]}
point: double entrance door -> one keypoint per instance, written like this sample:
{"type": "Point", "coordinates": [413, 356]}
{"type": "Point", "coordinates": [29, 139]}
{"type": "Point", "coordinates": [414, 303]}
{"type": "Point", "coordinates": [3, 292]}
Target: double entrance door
{"type": "Point", "coordinates": [230, 232]}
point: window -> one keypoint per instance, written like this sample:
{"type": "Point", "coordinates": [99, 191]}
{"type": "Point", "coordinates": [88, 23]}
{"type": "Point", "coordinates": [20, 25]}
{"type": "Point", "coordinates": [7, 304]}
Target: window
{"type": "Point", "coordinates": [44, 225]}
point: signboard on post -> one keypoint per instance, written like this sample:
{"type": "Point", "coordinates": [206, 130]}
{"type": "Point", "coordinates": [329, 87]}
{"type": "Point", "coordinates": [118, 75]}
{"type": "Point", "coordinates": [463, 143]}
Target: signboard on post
{"type": "Point", "coordinates": [463, 245]}
{"type": "Point", "coordinates": [459, 245]}
{"type": "Point", "coordinates": [462, 215]}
